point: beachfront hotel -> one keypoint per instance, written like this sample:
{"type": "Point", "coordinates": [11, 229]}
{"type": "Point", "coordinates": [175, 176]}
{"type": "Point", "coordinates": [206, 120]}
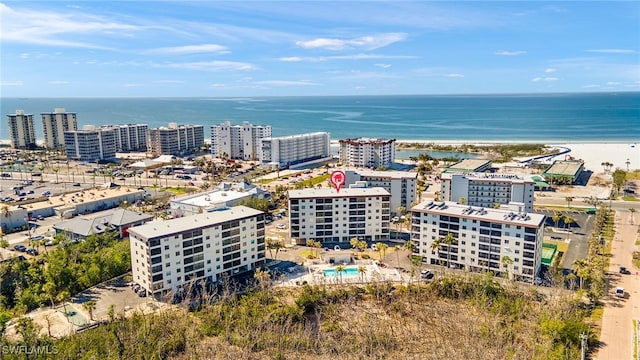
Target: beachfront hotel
{"type": "Point", "coordinates": [295, 151]}
{"type": "Point", "coordinates": [238, 141]}
{"type": "Point", "coordinates": [175, 139]}
{"type": "Point", "coordinates": [168, 255]}
{"type": "Point", "coordinates": [365, 152]}
{"type": "Point", "coordinates": [130, 137]}
{"type": "Point", "coordinates": [401, 185]}
{"type": "Point", "coordinates": [326, 215]}
{"type": "Point", "coordinates": [90, 144]}
{"type": "Point", "coordinates": [54, 125]}
{"type": "Point", "coordinates": [483, 238]}
{"type": "Point", "coordinates": [488, 189]}
{"type": "Point", "coordinates": [21, 130]}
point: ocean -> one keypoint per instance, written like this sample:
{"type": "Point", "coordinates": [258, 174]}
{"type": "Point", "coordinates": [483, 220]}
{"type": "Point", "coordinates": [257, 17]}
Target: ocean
{"type": "Point", "coordinates": [583, 117]}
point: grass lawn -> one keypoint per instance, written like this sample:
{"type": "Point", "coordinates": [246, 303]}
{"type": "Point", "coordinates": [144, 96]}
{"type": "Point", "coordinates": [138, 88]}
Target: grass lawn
{"type": "Point", "coordinates": [562, 248]}
{"type": "Point", "coordinates": [180, 190]}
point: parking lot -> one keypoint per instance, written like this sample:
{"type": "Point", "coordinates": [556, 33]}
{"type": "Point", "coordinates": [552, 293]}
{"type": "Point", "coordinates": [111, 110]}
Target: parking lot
{"type": "Point", "coordinates": [576, 234]}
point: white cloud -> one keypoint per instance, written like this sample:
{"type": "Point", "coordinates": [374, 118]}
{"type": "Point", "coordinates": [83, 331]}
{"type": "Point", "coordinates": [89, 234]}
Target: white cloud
{"type": "Point", "coordinates": [191, 49]}
{"type": "Point", "coordinates": [291, 59]}
{"type": "Point", "coordinates": [454, 75]}
{"type": "Point", "coordinates": [346, 57]}
{"type": "Point", "coordinates": [133, 85]}
{"type": "Point", "coordinates": [613, 83]}
{"type": "Point", "coordinates": [590, 86]}
{"type": "Point", "coordinates": [12, 83]}
{"type": "Point", "coordinates": [212, 66]}
{"type": "Point", "coordinates": [550, 70]}
{"type": "Point", "coordinates": [384, 66]}
{"type": "Point", "coordinates": [509, 53]}
{"type": "Point", "coordinates": [169, 82]}
{"type": "Point", "coordinates": [613, 51]}
{"type": "Point", "coordinates": [59, 82]}
{"type": "Point", "coordinates": [218, 85]}
{"type": "Point", "coordinates": [285, 83]}
{"type": "Point", "coordinates": [25, 55]}
{"type": "Point", "coordinates": [539, 79]}
{"type": "Point", "coordinates": [46, 28]}
{"type": "Point", "coordinates": [365, 42]}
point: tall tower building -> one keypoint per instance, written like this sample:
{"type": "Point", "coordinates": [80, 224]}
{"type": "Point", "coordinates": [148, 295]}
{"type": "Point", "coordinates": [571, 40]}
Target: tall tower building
{"type": "Point", "coordinates": [238, 141]}
{"type": "Point", "coordinates": [21, 130]}
{"type": "Point", "coordinates": [55, 124]}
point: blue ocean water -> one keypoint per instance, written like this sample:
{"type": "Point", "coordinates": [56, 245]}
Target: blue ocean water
{"type": "Point", "coordinates": [585, 117]}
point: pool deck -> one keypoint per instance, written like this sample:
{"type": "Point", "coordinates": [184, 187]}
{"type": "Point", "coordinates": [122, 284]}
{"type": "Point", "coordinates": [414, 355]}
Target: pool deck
{"type": "Point", "coordinates": [314, 275]}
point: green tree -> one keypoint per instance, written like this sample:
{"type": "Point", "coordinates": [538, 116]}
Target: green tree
{"type": "Point", "coordinates": [506, 263]}
{"type": "Point", "coordinates": [274, 244]}
{"type": "Point", "coordinates": [436, 246]}
{"type": "Point", "coordinates": [340, 269]}
{"type": "Point", "coordinates": [382, 248]}
{"type": "Point", "coordinates": [354, 242]}
{"type": "Point", "coordinates": [449, 240]}
{"type": "Point", "coordinates": [582, 270]}
{"type": "Point", "coordinates": [619, 177]}
{"type": "Point", "coordinates": [569, 200]}
{"type": "Point", "coordinates": [362, 270]}
{"type": "Point", "coordinates": [89, 306]}
{"type": "Point", "coordinates": [557, 215]}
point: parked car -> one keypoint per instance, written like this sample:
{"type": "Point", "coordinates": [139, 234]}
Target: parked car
{"type": "Point", "coordinates": [620, 292]}
{"type": "Point", "coordinates": [37, 238]}
{"type": "Point", "coordinates": [281, 226]}
{"type": "Point", "coordinates": [20, 248]}
{"type": "Point", "coordinates": [49, 242]}
{"type": "Point", "coordinates": [46, 193]}
{"type": "Point", "coordinates": [32, 251]}
{"type": "Point", "coordinates": [624, 270]}
{"type": "Point", "coordinates": [76, 184]}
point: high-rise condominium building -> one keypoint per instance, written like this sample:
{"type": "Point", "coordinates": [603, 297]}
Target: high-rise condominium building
{"type": "Point", "coordinates": [130, 137]}
{"type": "Point", "coordinates": [169, 255]}
{"type": "Point", "coordinates": [365, 152]}
{"type": "Point", "coordinates": [55, 124]}
{"type": "Point", "coordinates": [488, 189]}
{"type": "Point", "coordinates": [175, 139]}
{"type": "Point", "coordinates": [401, 185]}
{"type": "Point", "coordinates": [90, 144]}
{"type": "Point", "coordinates": [479, 239]}
{"type": "Point", "coordinates": [296, 150]}
{"type": "Point", "coordinates": [21, 130]}
{"type": "Point", "coordinates": [238, 141]}
{"type": "Point", "coordinates": [326, 215]}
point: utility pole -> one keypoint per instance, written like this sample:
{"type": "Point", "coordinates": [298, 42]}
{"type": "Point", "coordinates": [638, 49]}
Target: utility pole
{"type": "Point", "coordinates": [583, 344]}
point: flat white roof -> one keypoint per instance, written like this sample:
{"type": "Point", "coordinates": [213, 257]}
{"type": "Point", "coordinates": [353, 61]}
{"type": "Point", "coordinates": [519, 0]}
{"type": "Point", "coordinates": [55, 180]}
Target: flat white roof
{"type": "Point", "coordinates": [491, 176]}
{"type": "Point", "coordinates": [212, 198]}
{"type": "Point", "coordinates": [506, 216]}
{"type": "Point", "coordinates": [332, 193]}
{"type": "Point", "coordinates": [388, 174]}
{"type": "Point", "coordinates": [158, 228]}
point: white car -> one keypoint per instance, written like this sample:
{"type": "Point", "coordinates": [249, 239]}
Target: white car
{"type": "Point", "coordinates": [620, 292]}
{"type": "Point", "coordinates": [281, 226]}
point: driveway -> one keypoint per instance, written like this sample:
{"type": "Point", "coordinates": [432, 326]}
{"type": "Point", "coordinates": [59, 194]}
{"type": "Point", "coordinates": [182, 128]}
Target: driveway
{"type": "Point", "coordinates": [617, 330]}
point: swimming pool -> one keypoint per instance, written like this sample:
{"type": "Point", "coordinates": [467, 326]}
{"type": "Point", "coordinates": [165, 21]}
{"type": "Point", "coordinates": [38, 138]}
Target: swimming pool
{"type": "Point", "coordinates": [348, 271]}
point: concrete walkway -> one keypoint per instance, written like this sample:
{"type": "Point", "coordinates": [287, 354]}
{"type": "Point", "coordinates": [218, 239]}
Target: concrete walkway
{"type": "Point", "coordinates": [617, 326]}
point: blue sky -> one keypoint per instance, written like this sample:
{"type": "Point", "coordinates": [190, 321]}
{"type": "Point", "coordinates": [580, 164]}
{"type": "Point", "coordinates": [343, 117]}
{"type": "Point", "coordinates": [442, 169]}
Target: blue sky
{"type": "Point", "coordinates": [266, 48]}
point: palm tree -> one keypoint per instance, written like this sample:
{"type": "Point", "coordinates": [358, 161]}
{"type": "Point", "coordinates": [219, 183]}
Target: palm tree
{"type": "Point", "coordinates": [568, 221]}
{"type": "Point", "coordinates": [449, 240]}
{"type": "Point", "coordinates": [569, 199]}
{"type": "Point", "coordinates": [55, 170]}
{"type": "Point", "coordinates": [582, 270]}
{"type": "Point", "coordinates": [354, 243]}
{"type": "Point", "coordinates": [557, 215]}
{"type": "Point", "coordinates": [340, 269]}
{"type": "Point", "coordinates": [632, 211]}
{"type": "Point", "coordinates": [382, 247]}
{"type": "Point", "coordinates": [362, 270]}
{"type": "Point", "coordinates": [436, 245]}
{"type": "Point", "coordinates": [397, 248]}
{"type": "Point", "coordinates": [506, 262]}
{"type": "Point", "coordinates": [89, 306]}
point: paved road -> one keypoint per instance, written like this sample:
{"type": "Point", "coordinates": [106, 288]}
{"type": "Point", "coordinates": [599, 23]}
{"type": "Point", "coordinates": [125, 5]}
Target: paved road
{"type": "Point", "coordinates": [617, 329]}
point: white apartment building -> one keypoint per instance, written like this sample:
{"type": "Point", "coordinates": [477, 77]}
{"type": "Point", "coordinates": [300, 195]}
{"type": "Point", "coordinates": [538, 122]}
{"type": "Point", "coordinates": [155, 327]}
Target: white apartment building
{"type": "Point", "coordinates": [90, 144]}
{"type": "Point", "coordinates": [328, 216]}
{"type": "Point", "coordinates": [482, 238]}
{"type": "Point", "coordinates": [130, 137]}
{"type": "Point", "coordinates": [175, 139]}
{"type": "Point", "coordinates": [401, 185]}
{"type": "Point", "coordinates": [488, 189]}
{"type": "Point", "coordinates": [238, 141]}
{"type": "Point", "coordinates": [223, 196]}
{"type": "Point", "coordinates": [55, 124]}
{"type": "Point", "coordinates": [21, 131]}
{"type": "Point", "coordinates": [365, 152]}
{"type": "Point", "coordinates": [295, 151]}
{"type": "Point", "coordinates": [169, 254]}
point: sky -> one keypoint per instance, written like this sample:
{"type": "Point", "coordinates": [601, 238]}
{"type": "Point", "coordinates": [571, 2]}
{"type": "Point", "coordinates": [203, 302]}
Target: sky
{"type": "Point", "coordinates": [309, 48]}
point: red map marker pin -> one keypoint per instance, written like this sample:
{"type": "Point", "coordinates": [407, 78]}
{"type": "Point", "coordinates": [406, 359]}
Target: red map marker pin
{"type": "Point", "coordinates": [338, 178]}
